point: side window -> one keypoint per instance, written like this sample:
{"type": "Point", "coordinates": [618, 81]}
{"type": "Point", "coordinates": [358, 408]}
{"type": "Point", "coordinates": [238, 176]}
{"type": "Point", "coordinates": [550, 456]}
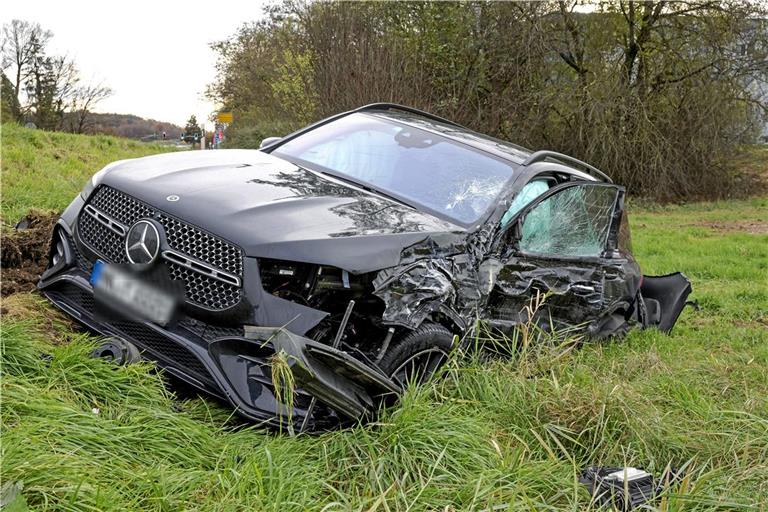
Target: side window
{"type": "Point", "coordinates": [573, 222]}
{"type": "Point", "coordinates": [530, 191]}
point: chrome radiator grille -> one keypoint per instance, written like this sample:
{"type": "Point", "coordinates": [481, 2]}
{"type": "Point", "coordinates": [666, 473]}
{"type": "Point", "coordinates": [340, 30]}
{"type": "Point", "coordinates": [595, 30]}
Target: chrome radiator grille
{"type": "Point", "coordinates": [109, 214]}
{"type": "Point", "coordinates": [119, 206]}
{"type": "Point", "coordinates": [101, 239]}
{"type": "Point", "coordinates": [202, 246]}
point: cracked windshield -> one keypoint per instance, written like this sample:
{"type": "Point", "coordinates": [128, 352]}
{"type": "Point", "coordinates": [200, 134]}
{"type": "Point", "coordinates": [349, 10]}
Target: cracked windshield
{"type": "Point", "coordinates": [419, 167]}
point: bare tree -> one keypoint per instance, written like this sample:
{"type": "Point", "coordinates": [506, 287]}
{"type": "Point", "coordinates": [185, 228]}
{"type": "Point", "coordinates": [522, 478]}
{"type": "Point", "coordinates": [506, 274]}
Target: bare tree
{"type": "Point", "coordinates": [47, 89]}
{"type": "Point", "coordinates": [84, 99]}
{"type": "Point", "coordinates": [22, 43]}
{"type": "Point", "coordinates": [66, 79]}
{"type": "Point", "coordinates": [51, 86]}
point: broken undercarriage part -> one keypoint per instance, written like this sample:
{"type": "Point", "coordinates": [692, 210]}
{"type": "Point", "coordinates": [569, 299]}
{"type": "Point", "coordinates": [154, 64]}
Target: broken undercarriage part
{"type": "Point", "coordinates": [336, 342]}
{"type": "Point", "coordinates": [385, 344]}
{"type": "Point", "coordinates": [343, 326]}
{"type": "Point", "coordinates": [625, 488]}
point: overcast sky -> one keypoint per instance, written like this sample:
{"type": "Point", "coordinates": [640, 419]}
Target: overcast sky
{"type": "Point", "coordinates": [153, 54]}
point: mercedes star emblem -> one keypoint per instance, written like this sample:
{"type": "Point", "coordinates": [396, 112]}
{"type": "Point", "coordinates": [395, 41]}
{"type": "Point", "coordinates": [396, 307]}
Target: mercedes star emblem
{"type": "Point", "coordinates": [142, 242]}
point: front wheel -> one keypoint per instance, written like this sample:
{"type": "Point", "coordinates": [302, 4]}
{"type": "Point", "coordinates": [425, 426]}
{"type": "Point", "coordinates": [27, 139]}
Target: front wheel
{"type": "Point", "coordinates": [417, 355]}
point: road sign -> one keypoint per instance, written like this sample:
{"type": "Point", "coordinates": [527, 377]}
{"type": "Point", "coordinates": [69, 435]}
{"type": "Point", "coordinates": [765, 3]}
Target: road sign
{"type": "Point", "coordinates": [224, 117]}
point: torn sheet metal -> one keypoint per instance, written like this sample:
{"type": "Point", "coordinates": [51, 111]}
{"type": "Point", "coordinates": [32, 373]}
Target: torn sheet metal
{"type": "Point", "coordinates": [413, 292]}
{"type": "Point", "coordinates": [499, 290]}
{"type": "Point", "coordinates": [578, 293]}
{"type": "Point", "coordinates": [332, 376]}
{"type": "Point", "coordinates": [436, 275]}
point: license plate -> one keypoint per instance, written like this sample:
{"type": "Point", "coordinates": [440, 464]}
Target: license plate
{"type": "Point", "coordinates": [126, 292]}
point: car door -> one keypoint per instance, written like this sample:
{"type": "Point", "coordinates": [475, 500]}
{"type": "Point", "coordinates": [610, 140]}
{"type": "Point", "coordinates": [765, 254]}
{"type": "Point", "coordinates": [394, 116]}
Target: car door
{"type": "Point", "coordinates": [563, 244]}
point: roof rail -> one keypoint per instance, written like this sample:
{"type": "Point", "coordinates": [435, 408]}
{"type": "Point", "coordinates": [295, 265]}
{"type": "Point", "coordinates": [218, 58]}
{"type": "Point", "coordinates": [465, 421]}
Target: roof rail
{"type": "Point", "coordinates": [411, 110]}
{"type": "Point", "coordinates": [539, 156]}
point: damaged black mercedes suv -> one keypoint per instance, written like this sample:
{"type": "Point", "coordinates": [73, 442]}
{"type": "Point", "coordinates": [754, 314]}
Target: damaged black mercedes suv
{"type": "Point", "coordinates": [359, 249]}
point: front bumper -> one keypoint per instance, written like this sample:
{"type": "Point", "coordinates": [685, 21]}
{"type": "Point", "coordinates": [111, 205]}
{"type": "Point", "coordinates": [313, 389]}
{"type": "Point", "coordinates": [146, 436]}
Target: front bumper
{"type": "Point", "coordinates": [235, 364]}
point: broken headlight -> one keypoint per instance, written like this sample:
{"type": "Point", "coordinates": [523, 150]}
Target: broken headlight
{"type": "Point", "coordinates": [283, 278]}
{"type": "Point", "coordinates": [289, 278]}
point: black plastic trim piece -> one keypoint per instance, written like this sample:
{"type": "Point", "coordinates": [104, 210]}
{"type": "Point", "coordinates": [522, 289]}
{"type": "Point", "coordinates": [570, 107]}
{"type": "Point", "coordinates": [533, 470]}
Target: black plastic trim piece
{"type": "Point", "coordinates": [410, 110]}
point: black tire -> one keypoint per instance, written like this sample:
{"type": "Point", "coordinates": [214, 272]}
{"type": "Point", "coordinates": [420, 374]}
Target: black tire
{"type": "Point", "coordinates": [418, 354]}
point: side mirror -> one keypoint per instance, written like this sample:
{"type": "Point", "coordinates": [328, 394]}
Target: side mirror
{"type": "Point", "coordinates": [269, 141]}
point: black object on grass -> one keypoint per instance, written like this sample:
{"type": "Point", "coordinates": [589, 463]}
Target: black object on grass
{"type": "Point", "coordinates": [118, 351]}
{"type": "Point", "coordinates": [625, 488]}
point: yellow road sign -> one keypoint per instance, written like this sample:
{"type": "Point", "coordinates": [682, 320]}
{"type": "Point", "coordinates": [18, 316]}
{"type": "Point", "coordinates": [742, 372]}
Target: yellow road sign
{"type": "Point", "coordinates": [224, 117]}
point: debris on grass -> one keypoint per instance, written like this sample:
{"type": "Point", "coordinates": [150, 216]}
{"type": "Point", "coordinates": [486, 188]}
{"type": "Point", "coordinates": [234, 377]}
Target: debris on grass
{"type": "Point", "coordinates": [626, 488]}
{"type": "Point", "coordinates": [25, 251]}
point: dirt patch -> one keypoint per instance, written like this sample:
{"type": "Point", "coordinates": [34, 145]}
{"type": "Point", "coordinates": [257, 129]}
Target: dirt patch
{"type": "Point", "coordinates": [25, 251]}
{"type": "Point", "coordinates": [753, 227]}
{"type": "Point", "coordinates": [751, 324]}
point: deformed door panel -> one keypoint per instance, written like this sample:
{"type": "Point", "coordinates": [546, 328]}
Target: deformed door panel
{"type": "Point", "coordinates": [561, 245]}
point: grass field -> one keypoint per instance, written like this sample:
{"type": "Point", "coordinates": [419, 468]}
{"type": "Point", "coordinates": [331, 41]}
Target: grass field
{"type": "Point", "coordinates": [80, 434]}
{"type": "Point", "coordinates": [46, 169]}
